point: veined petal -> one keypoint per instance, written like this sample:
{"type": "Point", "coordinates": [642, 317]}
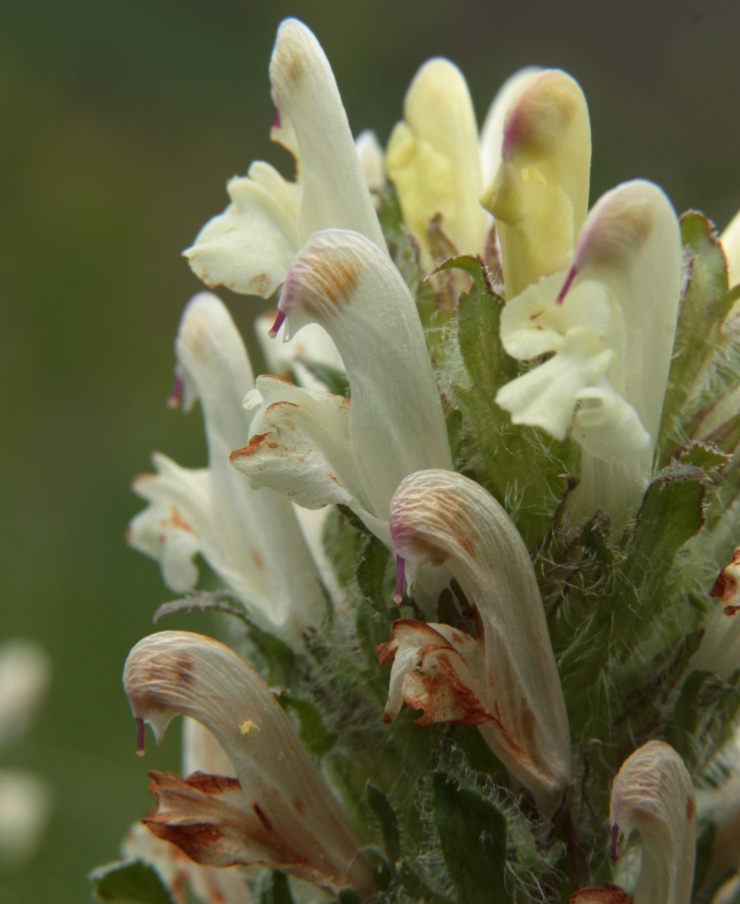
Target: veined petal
{"type": "Point", "coordinates": [334, 192]}
{"type": "Point", "coordinates": [278, 811]}
{"type": "Point", "coordinates": [492, 133]}
{"type": "Point", "coordinates": [539, 196]}
{"type": "Point", "coordinates": [248, 248]}
{"type": "Point", "coordinates": [440, 517]}
{"type": "Point", "coordinates": [653, 794]}
{"type": "Point", "coordinates": [433, 158]}
{"type": "Point", "coordinates": [341, 281]}
{"type": "Point", "coordinates": [546, 396]}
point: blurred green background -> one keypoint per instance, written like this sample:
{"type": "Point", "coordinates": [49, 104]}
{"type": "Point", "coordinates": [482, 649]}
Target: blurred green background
{"type": "Point", "coordinates": [122, 122]}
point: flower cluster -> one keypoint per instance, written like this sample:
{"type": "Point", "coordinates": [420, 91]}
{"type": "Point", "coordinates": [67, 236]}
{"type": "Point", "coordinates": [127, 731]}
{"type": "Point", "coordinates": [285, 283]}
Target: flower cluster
{"type": "Point", "coordinates": [498, 455]}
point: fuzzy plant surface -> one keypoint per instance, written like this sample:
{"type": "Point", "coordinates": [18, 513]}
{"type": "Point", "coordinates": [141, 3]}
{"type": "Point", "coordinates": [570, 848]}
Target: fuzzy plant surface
{"type": "Point", "coordinates": [472, 540]}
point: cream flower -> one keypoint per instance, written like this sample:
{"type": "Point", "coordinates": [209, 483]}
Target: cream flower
{"type": "Point", "coordinates": [244, 534]}
{"type": "Point", "coordinates": [653, 795]}
{"type": "Point", "coordinates": [321, 448]}
{"type": "Point", "coordinates": [610, 322]}
{"type": "Point", "coordinates": [250, 246]}
{"type": "Point", "coordinates": [505, 681]}
{"type": "Point", "coordinates": [277, 811]}
{"type": "Point", "coordinates": [436, 161]}
{"type": "Point", "coordinates": [539, 195]}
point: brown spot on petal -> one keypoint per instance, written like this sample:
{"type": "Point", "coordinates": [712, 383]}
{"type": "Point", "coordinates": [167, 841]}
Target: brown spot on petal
{"type": "Point", "coordinates": [328, 284]}
{"type": "Point", "coordinates": [169, 668]}
{"type": "Point", "coordinates": [257, 560]}
{"type": "Point", "coordinates": [294, 68]}
{"type": "Point", "coordinates": [176, 520]}
{"type": "Point", "coordinates": [210, 785]}
{"type": "Point", "coordinates": [725, 587]}
{"type": "Point", "coordinates": [260, 283]}
{"type": "Point", "coordinates": [197, 841]}
{"type": "Point", "coordinates": [690, 808]}
{"type": "Point", "coordinates": [255, 442]}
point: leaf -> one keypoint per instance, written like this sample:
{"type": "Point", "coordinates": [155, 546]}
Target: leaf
{"type": "Point", "coordinates": [386, 816]}
{"type": "Point", "coordinates": [706, 456]}
{"type": "Point", "coordinates": [509, 460]}
{"type": "Point", "coordinates": [278, 891]}
{"type": "Point", "coordinates": [373, 577]}
{"type": "Point", "coordinates": [472, 832]}
{"type": "Point", "coordinates": [699, 373]}
{"type": "Point", "coordinates": [312, 731]}
{"type": "Point", "coordinates": [134, 882]}
{"type": "Point", "coordinates": [703, 717]}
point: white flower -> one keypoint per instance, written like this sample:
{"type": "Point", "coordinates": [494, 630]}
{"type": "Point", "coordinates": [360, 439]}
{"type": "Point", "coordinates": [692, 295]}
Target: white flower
{"type": "Point", "coordinates": [653, 794]}
{"type": "Point", "coordinates": [610, 321]}
{"type": "Point", "coordinates": [245, 535]}
{"type": "Point", "coordinates": [505, 681]}
{"type": "Point", "coordinates": [250, 247]}
{"type": "Point", "coordinates": [278, 811]}
{"type": "Point", "coordinates": [320, 448]}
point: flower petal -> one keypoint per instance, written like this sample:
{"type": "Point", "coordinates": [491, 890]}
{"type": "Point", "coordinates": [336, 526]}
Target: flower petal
{"type": "Point", "coordinates": [431, 672]}
{"type": "Point", "coordinates": [546, 396]}
{"type": "Point", "coordinates": [248, 248]}
{"type": "Point", "coordinates": [279, 811]}
{"type": "Point", "coordinates": [440, 517]}
{"type": "Point", "coordinates": [433, 158]}
{"type": "Point", "coordinates": [334, 192]}
{"type": "Point", "coordinates": [653, 794]}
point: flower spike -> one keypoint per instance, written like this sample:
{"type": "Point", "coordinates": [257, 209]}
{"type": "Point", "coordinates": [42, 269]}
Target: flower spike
{"type": "Point", "coordinates": [506, 680]}
{"type": "Point", "coordinates": [277, 811]}
{"type": "Point", "coordinates": [653, 794]}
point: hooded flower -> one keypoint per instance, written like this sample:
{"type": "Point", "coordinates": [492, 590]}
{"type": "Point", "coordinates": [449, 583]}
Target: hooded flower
{"type": "Point", "coordinates": [277, 811]}
{"type": "Point", "coordinates": [653, 795]}
{"type": "Point", "coordinates": [539, 194]}
{"type": "Point", "coordinates": [250, 246]}
{"type": "Point", "coordinates": [505, 680]}
{"type": "Point", "coordinates": [321, 448]}
{"type": "Point", "coordinates": [243, 534]}
{"type": "Point", "coordinates": [608, 324]}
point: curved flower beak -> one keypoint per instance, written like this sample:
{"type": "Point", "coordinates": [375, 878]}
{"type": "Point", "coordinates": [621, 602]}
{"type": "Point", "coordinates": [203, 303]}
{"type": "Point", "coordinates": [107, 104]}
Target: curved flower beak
{"type": "Point", "coordinates": [250, 246]}
{"type": "Point", "coordinates": [433, 159]}
{"type": "Point", "coordinates": [653, 794]}
{"type": "Point", "coordinates": [505, 680]}
{"type": "Point", "coordinates": [539, 196]}
{"type": "Point", "coordinates": [277, 811]}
